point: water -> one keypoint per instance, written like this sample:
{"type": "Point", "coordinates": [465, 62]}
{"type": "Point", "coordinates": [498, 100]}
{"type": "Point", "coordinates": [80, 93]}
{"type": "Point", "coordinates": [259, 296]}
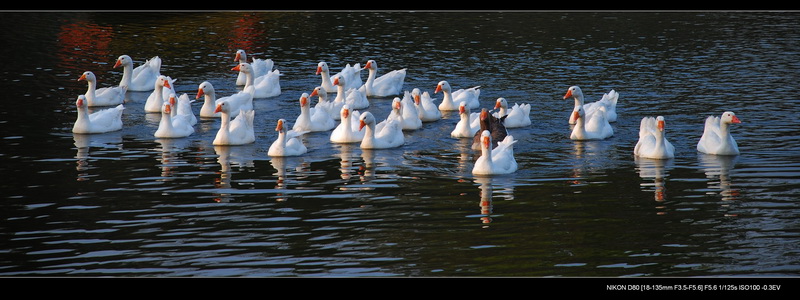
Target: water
{"type": "Point", "coordinates": [126, 204]}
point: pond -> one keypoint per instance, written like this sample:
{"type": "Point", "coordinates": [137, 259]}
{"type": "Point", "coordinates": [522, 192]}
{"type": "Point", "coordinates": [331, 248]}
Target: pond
{"type": "Point", "coordinates": [126, 204]}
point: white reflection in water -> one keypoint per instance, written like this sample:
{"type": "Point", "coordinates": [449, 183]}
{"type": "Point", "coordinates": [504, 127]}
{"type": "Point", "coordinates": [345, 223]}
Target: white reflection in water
{"type": "Point", "coordinates": [589, 157]}
{"type": "Point", "coordinates": [346, 157]}
{"type": "Point", "coordinates": [170, 158]}
{"type": "Point", "coordinates": [656, 171]}
{"type": "Point", "coordinates": [485, 185]}
{"type": "Point", "coordinates": [228, 157]}
{"type": "Point", "coordinates": [84, 143]}
{"type": "Point", "coordinates": [718, 170]}
{"type": "Point", "coordinates": [368, 169]}
{"type": "Point", "coordinates": [466, 155]}
{"type": "Point", "coordinates": [488, 185]}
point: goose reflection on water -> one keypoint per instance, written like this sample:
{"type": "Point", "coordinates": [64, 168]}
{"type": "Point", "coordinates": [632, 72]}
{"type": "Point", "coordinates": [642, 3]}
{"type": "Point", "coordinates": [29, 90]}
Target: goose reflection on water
{"type": "Point", "coordinates": [587, 158]}
{"type": "Point", "coordinates": [228, 157]}
{"type": "Point", "coordinates": [170, 159]}
{"type": "Point", "coordinates": [84, 144]}
{"type": "Point", "coordinates": [718, 171]}
{"type": "Point", "coordinates": [283, 163]}
{"type": "Point", "coordinates": [488, 185]}
{"type": "Point", "coordinates": [655, 170]}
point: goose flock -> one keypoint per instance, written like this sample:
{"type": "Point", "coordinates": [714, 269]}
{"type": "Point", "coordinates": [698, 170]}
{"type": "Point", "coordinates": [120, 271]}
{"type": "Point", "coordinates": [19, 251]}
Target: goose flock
{"type": "Point", "coordinates": [346, 118]}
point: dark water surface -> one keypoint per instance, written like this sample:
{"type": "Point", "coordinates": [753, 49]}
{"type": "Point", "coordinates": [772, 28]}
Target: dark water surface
{"type": "Point", "coordinates": [127, 204]}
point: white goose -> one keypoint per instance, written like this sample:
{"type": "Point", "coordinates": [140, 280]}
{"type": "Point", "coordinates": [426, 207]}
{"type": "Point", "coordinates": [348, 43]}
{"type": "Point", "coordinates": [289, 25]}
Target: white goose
{"type": "Point", "coordinates": [389, 84]}
{"type": "Point", "coordinates": [238, 131]}
{"type": "Point", "coordinates": [141, 78]}
{"type": "Point", "coordinates": [609, 102]}
{"type": "Point", "coordinates": [260, 66]}
{"type": "Point", "coordinates": [354, 98]}
{"type": "Point", "coordinates": [206, 90]}
{"type": "Point", "coordinates": [319, 120]}
{"type": "Point", "coordinates": [264, 86]}
{"type": "Point", "coordinates": [332, 108]}
{"type": "Point", "coordinates": [106, 96]}
{"type": "Point", "coordinates": [499, 160]}
{"type": "Point", "coordinates": [717, 138]}
{"type": "Point", "coordinates": [348, 129]}
{"type": "Point", "coordinates": [106, 120]}
{"type": "Point", "coordinates": [452, 99]}
{"type": "Point", "coordinates": [652, 140]}
{"type": "Point", "coordinates": [182, 108]}
{"type": "Point", "coordinates": [516, 116]}
{"type": "Point", "coordinates": [287, 143]}
{"type": "Point", "coordinates": [170, 127]}
{"type": "Point", "coordinates": [162, 88]}
{"type": "Point", "coordinates": [411, 119]}
{"type": "Point", "coordinates": [468, 125]}
{"type": "Point", "coordinates": [426, 109]}
{"type": "Point", "coordinates": [386, 134]}
{"type": "Point", "coordinates": [352, 75]}
{"type": "Point", "coordinates": [593, 127]}
{"type": "Point", "coordinates": [242, 100]}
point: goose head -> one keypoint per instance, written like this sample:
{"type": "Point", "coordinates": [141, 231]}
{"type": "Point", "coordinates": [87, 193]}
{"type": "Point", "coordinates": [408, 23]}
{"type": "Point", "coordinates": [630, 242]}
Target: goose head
{"type": "Point", "coordinates": [322, 67]}
{"type": "Point", "coordinates": [320, 92]}
{"type": "Point", "coordinates": [415, 94]}
{"type": "Point", "coordinates": [339, 80]}
{"type": "Point", "coordinates": [443, 86]}
{"type": "Point", "coordinates": [241, 56]}
{"type": "Point", "coordinates": [345, 112]}
{"type": "Point", "coordinates": [281, 127]}
{"type": "Point", "coordinates": [88, 76]}
{"type": "Point", "coordinates": [371, 65]}
{"type": "Point", "coordinates": [574, 92]}
{"type": "Point", "coordinates": [304, 100]}
{"type": "Point", "coordinates": [366, 119]}
{"type": "Point", "coordinates": [729, 117]}
{"type": "Point", "coordinates": [501, 103]}
{"type": "Point", "coordinates": [123, 60]}
{"type": "Point", "coordinates": [244, 68]}
{"type": "Point", "coordinates": [205, 88]}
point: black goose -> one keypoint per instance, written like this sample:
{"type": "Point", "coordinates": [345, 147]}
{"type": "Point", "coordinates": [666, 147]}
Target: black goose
{"type": "Point", "coordinates": [495, 127]}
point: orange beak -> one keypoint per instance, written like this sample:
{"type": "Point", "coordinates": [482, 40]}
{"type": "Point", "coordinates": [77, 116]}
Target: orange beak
{"type": "Point", "coordinates": [303, 101]}
{"type": "Point", "coordinates": [569, 94]}
{"type": "Point", "coordinates": [416, 99]}
{"type": "Point", "coordinates": [486, 142]}
{"type": "Point", "coordinates": [236, 68]}
{"type": "Point", "coordinates": [736, 120]}
{"type": "Point", "coordinates": [219, 108]}
{"type": "Point", "coordinates": [368, 65]}
{"type": "Point", "coordinates": [200, 93]}
{"type": "Point", "coordinates": [484, 114]}
{"type": "Point", "coordinates": [80, 102]}
{"type": "Point", "coordinates": [280, 125]}
{"type": "Point", "coordinates": [346, 113]}
{"type": "Point", "coordinates": [238, 56]}
{"type": "Point", "coordinates": [398, 105]}
{"type": "Point", "coordinates": [438, 88]}
{"type": "Point", "coordinates": [661, 125]}
{"type": "Point", "coordinates": [83, 77]}
{"type": "Point", "coordinates": [166, 84]}
{"type": "Point", "coordinates": [171, 100]}
{"type": "Point", "coordinates": [361, 125]}
{"type": "Point", "coordinates": [319, 70]}
{"type": "Point", "coordinates": [336, 81]}
{"type": "Point", "coordinates": [497, 105]}
{"type": "Point", "coordinates": [119, 63]}
{"type": "Point", "coordinates": [462, 109]}
{"type": "Point", "coordinates": [168, 108]}
{"type": "Point", "coordinates": [314, 93]}
{"type": "Point", "coordinates": [576, 115]}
